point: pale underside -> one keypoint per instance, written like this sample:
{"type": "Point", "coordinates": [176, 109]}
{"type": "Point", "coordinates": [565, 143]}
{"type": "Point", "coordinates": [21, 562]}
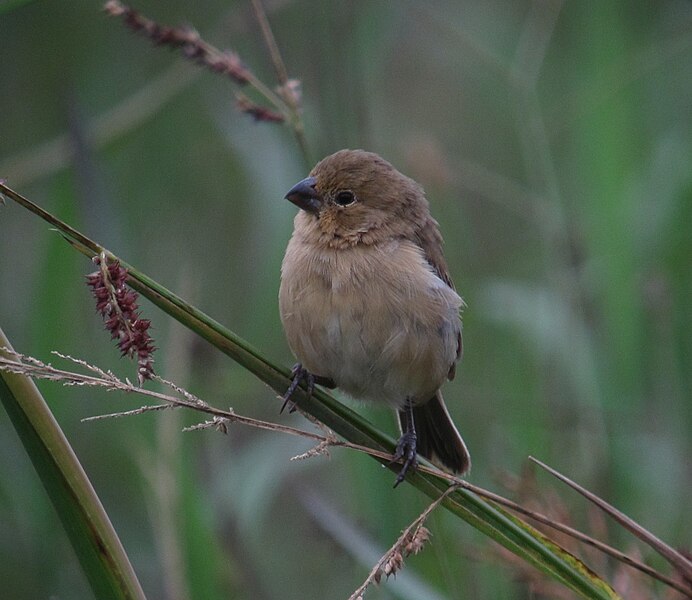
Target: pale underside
{"type": "Point", "coordinates": [382, 335]}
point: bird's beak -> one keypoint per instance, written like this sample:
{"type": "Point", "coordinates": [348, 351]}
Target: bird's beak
{"type": "Point", "coordinates": [304, 195]}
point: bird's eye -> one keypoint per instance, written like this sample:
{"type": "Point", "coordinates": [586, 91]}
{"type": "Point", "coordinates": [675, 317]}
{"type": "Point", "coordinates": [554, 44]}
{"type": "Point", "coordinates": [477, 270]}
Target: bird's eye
{"type": "Point", "coordinates": [345, 198]}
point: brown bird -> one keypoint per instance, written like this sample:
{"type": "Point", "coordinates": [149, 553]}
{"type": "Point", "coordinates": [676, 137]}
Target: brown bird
{"type": "Point", "coordinates": [367, 303]}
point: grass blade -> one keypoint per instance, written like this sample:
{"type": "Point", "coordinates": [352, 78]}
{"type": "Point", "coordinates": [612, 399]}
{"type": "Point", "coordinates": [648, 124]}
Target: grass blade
{"type": "Point", "coordinates": [93, 538]}
{"type": "Point", "coordinates": [677, 560]}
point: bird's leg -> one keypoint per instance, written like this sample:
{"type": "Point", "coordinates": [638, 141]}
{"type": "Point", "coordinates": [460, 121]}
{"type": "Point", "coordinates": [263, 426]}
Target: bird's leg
{"type": "Point", "coordinates": [406, 446]}
{"type": "Point", "coordinates": [298, 374]}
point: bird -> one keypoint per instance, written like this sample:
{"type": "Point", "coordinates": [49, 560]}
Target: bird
{"type": "Point", "coordinates": [367, 303]}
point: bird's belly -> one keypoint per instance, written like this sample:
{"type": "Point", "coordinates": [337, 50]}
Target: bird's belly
{"type": "Point", "coordinates": [383, 357]}
{"type": "Point", "coordinates": [379, 339]}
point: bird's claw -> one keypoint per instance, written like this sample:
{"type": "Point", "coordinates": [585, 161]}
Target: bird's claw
{"type": "Point", "coordinates": [298, 374]}
{"type": "Point", "coordinates": [406, 450]}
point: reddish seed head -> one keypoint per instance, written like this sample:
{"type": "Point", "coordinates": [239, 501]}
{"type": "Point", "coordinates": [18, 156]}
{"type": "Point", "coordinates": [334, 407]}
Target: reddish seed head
{"type": "Point", "coordinates": [117, 304]}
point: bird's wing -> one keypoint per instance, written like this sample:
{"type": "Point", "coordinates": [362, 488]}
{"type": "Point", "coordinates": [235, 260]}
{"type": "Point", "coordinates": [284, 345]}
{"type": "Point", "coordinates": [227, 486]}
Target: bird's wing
{"type": "Point", "coordinates": [430, 241]}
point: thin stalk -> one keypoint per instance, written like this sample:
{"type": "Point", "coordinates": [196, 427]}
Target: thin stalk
{"type": "Point", "coordinates": [282, 77]}
{"type": "Point", "coordinates": [675, 558]}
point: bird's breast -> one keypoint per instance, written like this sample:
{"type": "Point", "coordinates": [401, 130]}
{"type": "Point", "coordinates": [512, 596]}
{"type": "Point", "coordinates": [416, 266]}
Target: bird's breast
{"type": "Point", "coordinates": [375, 319]}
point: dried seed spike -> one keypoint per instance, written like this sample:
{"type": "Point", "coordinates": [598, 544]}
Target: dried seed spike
{"type": "Point", "coordinates": [184, 38]}
{"type": "Point", "coordinates": [257, 112]}
{"type": "Point", "coordinates": [393, 564]}
{"type": "Point", "coordinates": [419, 538]}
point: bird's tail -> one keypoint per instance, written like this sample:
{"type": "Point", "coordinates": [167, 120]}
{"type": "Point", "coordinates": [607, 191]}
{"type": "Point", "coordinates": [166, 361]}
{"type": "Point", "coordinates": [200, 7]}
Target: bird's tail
{"type": "Point", "coordinates": [437, 438]}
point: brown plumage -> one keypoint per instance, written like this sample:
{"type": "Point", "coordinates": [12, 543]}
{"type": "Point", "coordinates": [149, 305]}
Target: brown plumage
{"type": "Point", "coordinates": [367, 302]}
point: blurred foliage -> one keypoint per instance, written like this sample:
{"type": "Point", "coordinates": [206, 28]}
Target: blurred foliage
{"type": "Point", "coordinates": [554, 141]}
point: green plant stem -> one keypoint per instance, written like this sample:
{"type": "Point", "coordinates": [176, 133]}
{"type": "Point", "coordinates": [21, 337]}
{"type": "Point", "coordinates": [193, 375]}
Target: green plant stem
{"type": "Point", "coordinates": [91, 533]}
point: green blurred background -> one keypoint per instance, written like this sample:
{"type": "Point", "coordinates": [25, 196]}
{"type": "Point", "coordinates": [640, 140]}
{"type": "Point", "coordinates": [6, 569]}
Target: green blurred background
{"type": "Point", "coordinates": [554, 142]}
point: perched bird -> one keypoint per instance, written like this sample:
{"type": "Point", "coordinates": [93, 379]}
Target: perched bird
{"type": "Point", "coordinates": [367, 303]}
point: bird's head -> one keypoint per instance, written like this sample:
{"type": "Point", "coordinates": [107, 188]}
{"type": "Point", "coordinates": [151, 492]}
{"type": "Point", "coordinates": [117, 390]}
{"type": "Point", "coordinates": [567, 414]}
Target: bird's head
{"type": "Point", "coordinates": [356, 197]}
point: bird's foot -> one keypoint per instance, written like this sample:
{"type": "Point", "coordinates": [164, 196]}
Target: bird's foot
{"type": "Point", "coordinates": [406, 450]}
{"type": "Point", "coordinates": [298, 374]}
